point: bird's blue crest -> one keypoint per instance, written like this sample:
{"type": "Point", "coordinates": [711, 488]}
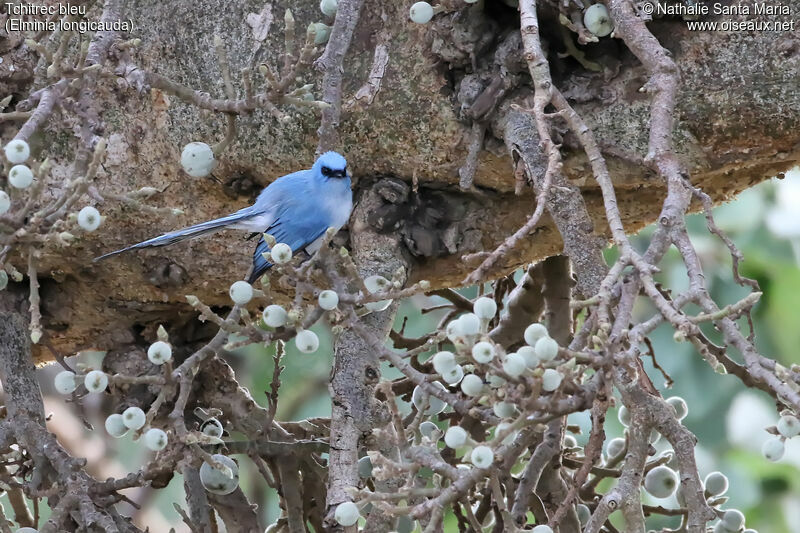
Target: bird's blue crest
{"type": "Point", "coordinates": [332, 160]}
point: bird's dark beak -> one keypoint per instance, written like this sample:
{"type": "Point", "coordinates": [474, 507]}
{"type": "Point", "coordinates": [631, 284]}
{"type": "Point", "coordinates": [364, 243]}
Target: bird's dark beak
{"type": "Point", "coordinates": [339, 174]}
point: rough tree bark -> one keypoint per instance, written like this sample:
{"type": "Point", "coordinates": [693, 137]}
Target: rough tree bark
{"type": "Point", "coordinates": [356, 371]}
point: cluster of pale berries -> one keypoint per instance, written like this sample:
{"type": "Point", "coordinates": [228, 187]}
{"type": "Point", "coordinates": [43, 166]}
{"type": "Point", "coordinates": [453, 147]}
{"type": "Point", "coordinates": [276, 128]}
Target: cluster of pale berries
{"type": "Point", "coordinates": [20, 176]}
{"type": "Point", "coordinates": [475, 352]}
{"type": "Point", "coordinates": [219, 481]}
{"type": "Point", "coordinates": [132, 418]}
{"type": "Point", "coordinates": [225, 479]}
{"type": "Point", "coordinates": [596, 18]}
{"type": "Point", "coordinates": [662, 481]}
{"type": "Point", "coordinates": [276, 316]}
{"type": "Point", "coordinates": [788, 426]}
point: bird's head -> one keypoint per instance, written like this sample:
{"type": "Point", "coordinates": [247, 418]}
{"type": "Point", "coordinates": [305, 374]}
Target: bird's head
{"type": "Point", "coordinates": [331, 165]}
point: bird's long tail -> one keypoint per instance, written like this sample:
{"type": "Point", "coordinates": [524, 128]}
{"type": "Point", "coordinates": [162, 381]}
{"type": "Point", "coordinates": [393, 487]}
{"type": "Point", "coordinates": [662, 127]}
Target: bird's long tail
{"type": "Point", "coordinates": [204, 228]}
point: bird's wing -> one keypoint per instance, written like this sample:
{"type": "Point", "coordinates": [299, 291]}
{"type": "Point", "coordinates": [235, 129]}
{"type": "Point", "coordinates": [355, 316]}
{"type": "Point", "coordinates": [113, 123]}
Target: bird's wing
{"type": "Point", "coordinates": [309, 206]}
{"type": "Point", "coordinates": [296, 228]}
{"type": "Point", "coordinates": [204, 228]}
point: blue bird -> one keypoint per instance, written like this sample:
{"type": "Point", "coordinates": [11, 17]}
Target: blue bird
{"type": "Point", "coordinates": [296, 209]}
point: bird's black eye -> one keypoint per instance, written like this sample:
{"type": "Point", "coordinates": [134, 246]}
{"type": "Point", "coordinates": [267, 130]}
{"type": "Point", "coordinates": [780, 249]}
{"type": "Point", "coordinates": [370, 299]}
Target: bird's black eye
{"type": "Point", "coordinates": [326, 171]}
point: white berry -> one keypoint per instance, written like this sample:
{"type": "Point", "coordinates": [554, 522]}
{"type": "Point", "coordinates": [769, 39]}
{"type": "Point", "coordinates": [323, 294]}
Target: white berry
{"type": "Point", "coordinates": [274, 316]}
{"type": "Point", "coordinates": [96, 381]}
{"type": "Point", "coordinates": [546, 349]}
{"type": "Point", "coordinates": [470, 324]}
{"type": "Point", "coordinates": [429, 429]}
{"type": "Point", "coordinates": [133, 418]}
{"type": "Point", "coordinates": [241, 292]}
{"type": "Point", "coordinates": [680, 407]}
{"type": "Point", "coordinates": [115, 425]}
{"type": "Point", "coordinates": [328, 300]}
{"type": "Point", "coordinates": [789, 426]}
{"type": "Point", "coordinates": [773, 449]}
{"type": "Point", "coordinates": [454, 376]}
{"type": "Point", "coordinates": [482, 456]}
{"type": "Point", "coordinates": [20, 176]}
{"type": "Point", "coordinates": [733, 520]}
{"type": "Point", "coordinates": [65, 382]}
{"type": "Point", "coordinates": [421, 12]}
{"type": "Point", "coordinates": [483, 352]}
{"type": "Point", "coordinates": [543, 528]}
{"type": "Point", "coordinates": [598, 21]}
{"type": "Point", "coordinates": [89, 218]}
{"type": "Point", "coordinates": [534, 332]}
{"type": "Point", "coordinates": [529, 354]}
{"type": "Point", "coordinates": [455, 437]}
{"type": "Point", "coordinates": [615, 447]}
{"type": "Point", "coordinates": [346, 514]}
{"type": "Point", "coordinates": [159, 352]}
{"type": "Point", "coordinates": [197, 159]}
{"type": "Point", "coordinates": [453, 330]}
{"type": "Point", "coordinates": [584, 514]}
{"type": "Point", "coordinates": [485, 308]}
{"type": "Point", "coordinates": [212, 427]}
{"type": "Point", "coordinates": [281, 253]}
{"type": "Point", "coordinates": [5, 202]}
{"type": "Point", "coordinates": [27, 530]}
{"type": "Point", "coordinates": [472, 385]}
{"type": "Point", "coordinates": [624, 416]}
{"type": "Point", "coordinates": [17, 151]}
{"type": "Point", "coordinates": [435, 405]}
{"type": "Point", "coordinates": [376, 283]}
{"type": "Point", "coordinates": [504, 409]}
{"type": "Point", "coordinates": [661, 482]}
{"type": "Point", "coordinates": [551, 379]}
{"type": "Point", "coordinates": [322, 32]}
{"type": "Point", "coordinates": [218, 481]}
{"type": "Point", "coordinates": [328, 7]}
{"type": "Point", "coordinates": [306, 341]}
{"type": "Point", "coordinates": [514, 365]}
{"type": "Point", "coordinates": [444, 362]}
{"type": "Point", "coordinates": [716, 484]}
{"type": "Point", "coordinates": [155, 439]}
{"type": "Point", "coordinates": [365, 467]}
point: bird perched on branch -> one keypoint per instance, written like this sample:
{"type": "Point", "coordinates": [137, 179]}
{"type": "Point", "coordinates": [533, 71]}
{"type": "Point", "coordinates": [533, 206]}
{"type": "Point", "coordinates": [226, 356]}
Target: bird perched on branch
{"type": "Point", "coordinates": [296, 209]}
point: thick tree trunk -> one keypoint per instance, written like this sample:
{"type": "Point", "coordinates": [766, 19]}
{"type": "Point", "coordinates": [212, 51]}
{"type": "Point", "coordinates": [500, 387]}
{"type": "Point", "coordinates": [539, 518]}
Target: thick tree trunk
{"type": "Point", "coordinates": [356, 371]}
